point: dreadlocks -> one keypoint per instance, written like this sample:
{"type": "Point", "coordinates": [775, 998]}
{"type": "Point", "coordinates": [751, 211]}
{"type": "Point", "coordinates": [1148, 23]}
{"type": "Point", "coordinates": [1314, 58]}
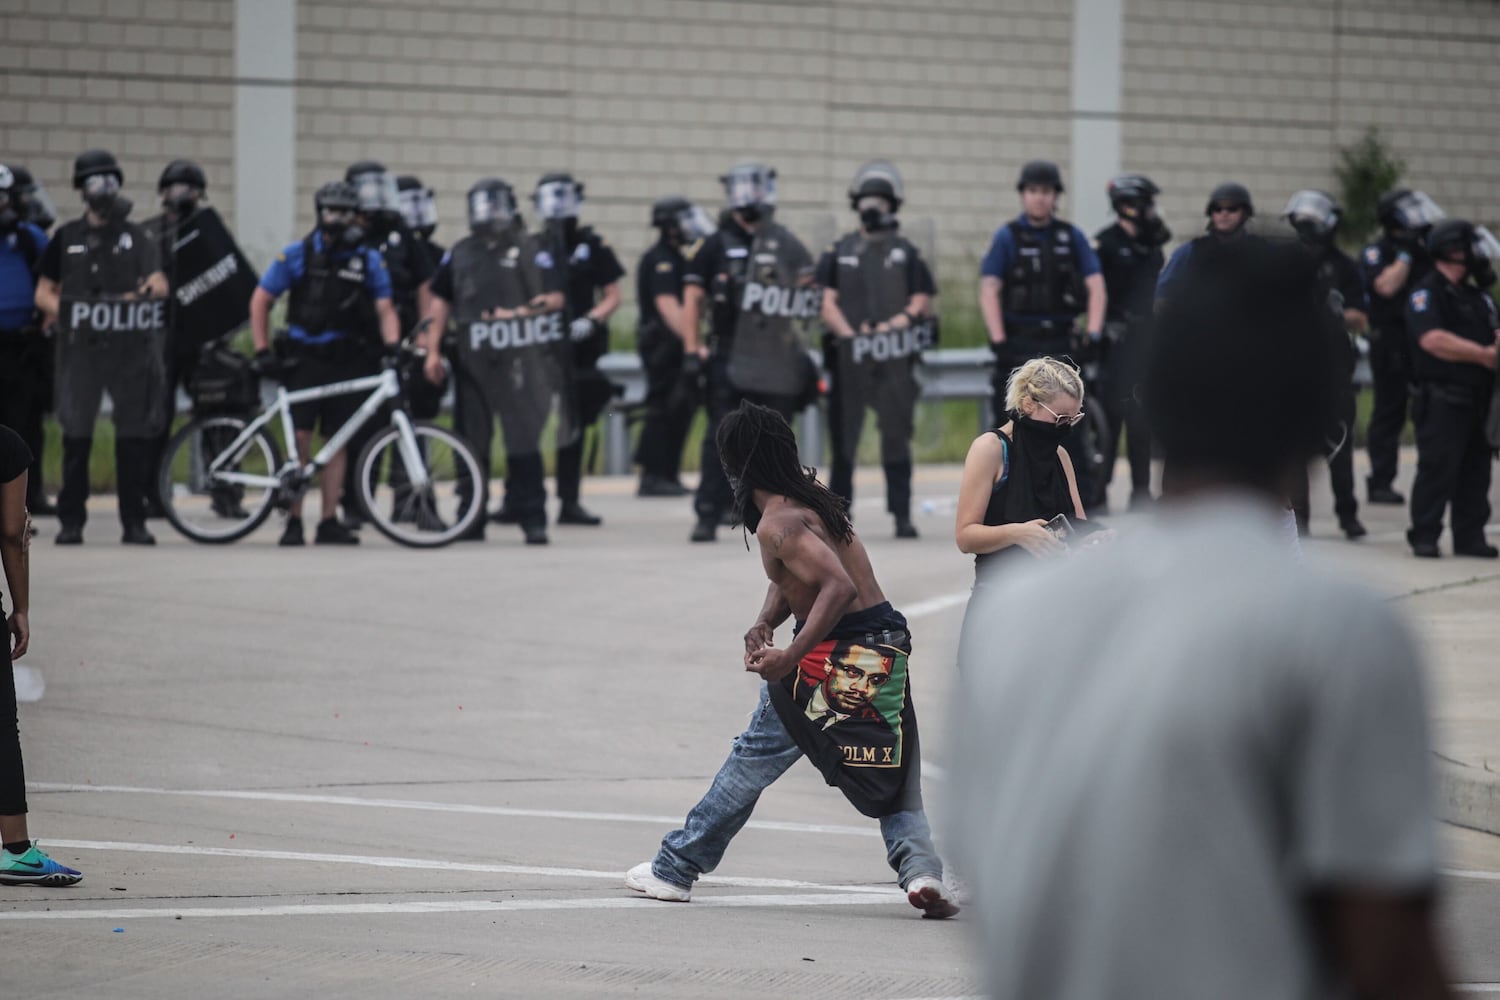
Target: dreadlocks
{"type": "Point", "coordinates": [758, 451]}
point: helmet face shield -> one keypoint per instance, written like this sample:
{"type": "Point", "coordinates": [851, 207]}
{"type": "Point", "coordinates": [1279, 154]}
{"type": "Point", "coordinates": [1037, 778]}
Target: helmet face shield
{"type": "Point", "coordinates": [1313, 213]}
{"type": "Point", "coordinates": [40, 209]}
{"type": "Point", "coordinates": [377, 192]}
{"type": "Point", "coordinates": [749, 184]}
{"type": "Point", "coordinates": [100, 185]}
{"type": "Point", "coordinates": [1416, 211]}
{"type": "Point", "coordinates": [879, 177]}
{"type": "Point", "coordinates": [695, 224]}
{"type": "Point", "coordinates": [418, 209]}
{"type": "Point", "coordinates": [1485, 246]}
{"type": "Point", "coordinates": [491, 208]}
{"type": "Point", "coordinates": [557, 200]}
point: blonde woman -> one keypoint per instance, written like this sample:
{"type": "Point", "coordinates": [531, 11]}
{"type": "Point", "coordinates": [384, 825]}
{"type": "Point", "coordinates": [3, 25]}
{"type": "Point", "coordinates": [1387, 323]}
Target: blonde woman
{"type": "Point", "coordinates": [1017, 477]}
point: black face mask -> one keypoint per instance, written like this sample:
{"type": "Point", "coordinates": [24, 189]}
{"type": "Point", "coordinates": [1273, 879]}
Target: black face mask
{"type": "Point", "coordinates": [181, 207]}
{"type": "Point", "coordinates": [113, 207]}
{"type": "Point", "coordinates": [343, 237]}
{"type": "Point", "coordinates": [750, 213]}
{"type": "Point", "coordinates": [1482, 270]}
{"type": "Point", "coordinates": [1042, 435]}
{"type": "Point", "coordinates": [568, 227]}
{"type": "Point", "coordinates": [877, 220]}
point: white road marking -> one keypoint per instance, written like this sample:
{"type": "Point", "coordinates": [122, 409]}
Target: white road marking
{"type": "Point", "coordinates": [169, 912]}
{"type": "Point", "coordinates": [1477, 987]}
{"type": "Point", "coordinates": [1470, 873]}
{"type": "Point", "coordinates": [933, 605]}
{"type": "Point", "coordinates": [433, 865]}
{"type": "Point", "coordinates": [444, 807]}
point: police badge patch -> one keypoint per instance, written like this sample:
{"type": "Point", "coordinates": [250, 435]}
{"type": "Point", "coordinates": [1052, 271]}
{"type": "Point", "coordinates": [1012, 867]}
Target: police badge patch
{"type": "Point", "coordinates": [1419, 300]}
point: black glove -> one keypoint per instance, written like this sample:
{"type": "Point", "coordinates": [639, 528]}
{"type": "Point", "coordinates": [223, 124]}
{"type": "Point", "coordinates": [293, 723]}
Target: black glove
{"type": "Point", "coordinates": [390, 352]}
{"type": "Point", "coordinates": [1005, 356]}
{"type": "Point", "coordinates": [265, 362]}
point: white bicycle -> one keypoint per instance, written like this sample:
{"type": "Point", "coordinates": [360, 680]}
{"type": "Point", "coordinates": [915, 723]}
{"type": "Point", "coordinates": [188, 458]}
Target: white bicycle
{"type": "Point", "coordinates": [222, 475]}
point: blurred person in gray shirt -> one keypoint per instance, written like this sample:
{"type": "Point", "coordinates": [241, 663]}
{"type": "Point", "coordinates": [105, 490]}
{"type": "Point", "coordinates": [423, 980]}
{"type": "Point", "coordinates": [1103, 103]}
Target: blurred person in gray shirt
{"type": "Point", "coordinates": [1186, 765]}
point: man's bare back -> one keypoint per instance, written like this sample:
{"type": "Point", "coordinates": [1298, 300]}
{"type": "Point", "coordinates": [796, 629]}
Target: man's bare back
{"type": "Point", "coordinates": [814, 578]}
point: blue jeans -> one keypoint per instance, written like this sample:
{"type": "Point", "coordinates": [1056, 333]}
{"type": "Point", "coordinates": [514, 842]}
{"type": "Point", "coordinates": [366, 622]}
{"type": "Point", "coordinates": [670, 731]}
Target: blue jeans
{"type": "Point", "coordinates": [761, 754]}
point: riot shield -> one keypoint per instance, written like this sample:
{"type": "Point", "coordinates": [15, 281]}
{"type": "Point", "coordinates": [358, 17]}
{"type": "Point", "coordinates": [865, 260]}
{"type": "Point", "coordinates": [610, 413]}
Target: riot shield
{"type": "Point", "coordinates": [211, 279]}
{"type": "Point", "coordinates": [113, 345]}
{"type": "Point", "coordinates": [768, 354]}
{"type": "Point", "coordinates": [524, 369]}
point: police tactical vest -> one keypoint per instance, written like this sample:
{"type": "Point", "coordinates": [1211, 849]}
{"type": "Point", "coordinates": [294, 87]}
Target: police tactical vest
{"type": "Point", "coordinates": [331, 294]}
{"type": "Point", "coordinates": [1130, 272]}
{"type": "Point", "coordinates": [1044, 280]}
{"type": "Point", "coordinates": [1466, 312]}
{"type": "Point", "coordinates": [102, 262]}
{"type": "Point", "coordinates": [872, 288]}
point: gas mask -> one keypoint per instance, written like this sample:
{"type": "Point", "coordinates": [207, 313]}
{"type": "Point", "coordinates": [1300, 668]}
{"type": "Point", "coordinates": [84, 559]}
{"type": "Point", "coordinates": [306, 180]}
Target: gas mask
{"type": "Point", "coordinates": [340, 228]}
{"type": "Point", "coordinates": [1481, 258]}
{"type": "Point", "coordinates": [101, 193]}
{"type": "Point", "coordinates": [875, 215]}
{"type": "Point", "coordinates": [181, 200]}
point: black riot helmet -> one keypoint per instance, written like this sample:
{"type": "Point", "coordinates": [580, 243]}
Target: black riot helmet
{"type": "Point", "coordinates": [11, 211]}
{"type": "Point", "coordinates": [181, 185]}
{"type": "Point", "coordinates": [1131, 189]}
{"type": "Point", "coordinates": [182, 172]}
{"type": "Point", "coordinates": [376, 187]}
{"type": "Point", "coordinates": [93, 162]}
{"type": "Point", "coordinates": [557, 196]}
{"type": "Point", "coordinates": [1315, 215]}
{"type": "Point", "coordinates": [97, 174]}
{"type": "Point", "coordinates": [37, 206]}
{"type": "Point", "coordinates": [418, 207]}
{"type": "Point", "coordinates": [1040, 173]}
{"type": "Point", "coordinates": [1230, 193]}
{"type": "Point", "coordinates": [876, 193]}
{"type": "Point", "coordinates": [1133, 197]}
{"type": "Point", "coordinates": [750, 190]}
{"type": "Point", "coordinates": [336, 205]}
{"type": "Point", "coordinates": [492, 206]}
{"type": "Point", "coordinates": [1404, 211]}
{"type": "Point", "coordinates": [1478, 246]}
{"type": "Point", "coordinates": [680, 221]}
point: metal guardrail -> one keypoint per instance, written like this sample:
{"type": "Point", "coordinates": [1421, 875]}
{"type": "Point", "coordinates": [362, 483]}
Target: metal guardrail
{"type": "Point", "coordinates": [946, 373]}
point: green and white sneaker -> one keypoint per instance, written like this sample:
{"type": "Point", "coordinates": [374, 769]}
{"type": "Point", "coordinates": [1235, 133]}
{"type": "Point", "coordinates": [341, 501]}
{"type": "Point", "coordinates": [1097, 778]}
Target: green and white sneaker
{"type": "Point", "coordinates": [35, 868]}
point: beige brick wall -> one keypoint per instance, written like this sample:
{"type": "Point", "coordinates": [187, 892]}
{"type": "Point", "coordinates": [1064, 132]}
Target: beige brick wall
{"type": "Point", "coordinates": [644, 97]}
{"type": "Point", "coordinates": [149, 80]}
{"type": "Point", "coordinates": [1267, 92]}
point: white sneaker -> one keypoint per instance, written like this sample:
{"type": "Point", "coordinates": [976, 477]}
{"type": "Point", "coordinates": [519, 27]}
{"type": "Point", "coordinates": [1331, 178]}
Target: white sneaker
{"type": "Point", "coordinates": [928, 894]}
{"type": "Point", "coordinates": [641, 879]}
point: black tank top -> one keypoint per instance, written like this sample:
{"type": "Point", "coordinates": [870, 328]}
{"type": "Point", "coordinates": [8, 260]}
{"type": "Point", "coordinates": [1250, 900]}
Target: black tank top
{"type": "Point", "coordinates": [1030, 487]}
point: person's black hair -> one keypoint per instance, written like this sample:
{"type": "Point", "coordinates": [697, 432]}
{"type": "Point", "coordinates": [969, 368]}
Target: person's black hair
{"type": "Point", "coordinates": [759, 451]}
{"type": "Point", "coordinates": [1241, 377]}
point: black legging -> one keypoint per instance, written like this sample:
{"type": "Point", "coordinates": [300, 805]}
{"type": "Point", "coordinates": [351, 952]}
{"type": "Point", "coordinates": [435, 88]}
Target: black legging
{"type": "Point", "coordinates": [12, 771]}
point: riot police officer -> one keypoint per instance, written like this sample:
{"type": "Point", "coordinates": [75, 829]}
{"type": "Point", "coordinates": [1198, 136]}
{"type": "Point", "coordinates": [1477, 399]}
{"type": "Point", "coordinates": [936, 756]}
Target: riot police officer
{"type": "Point", "coordinates": [1316, 215]}
{"type": "Point", "coordinates": [1039, 275]}
{"type": "Point", "coordinates": [590, 274]}
{"type": "Point", "coordinates": [339, 320]}
{"type": "Point", "coordinates": [419, 212]}
{"type": "Point", "coordinates": [97, 281]}
{"type": "Point", "coordinates": [877, 297]}
{"type": "Point", "coordinates": [513, 351]}
{"type": "Point", "coordinates": [211, 283]}
{"type": "Point", "coordinates": [410, 269]}
{"type": "Point", "coordinates": [25, 368]}
{"type": "Point", "coordinates": [759, 278]}
{"type": "Point", "coordinates": [39, 209]}
{"type": "Point", "coordinates": [1454, 327]}
{"type": "Point", "coordinates": [1130, 258]}
{"type": "Point", "coordinates": [672, 395]}
{"type": "Point", "coordinates": [1229, 209]}
{"type": "Point", "coordinates": [1392, 266]}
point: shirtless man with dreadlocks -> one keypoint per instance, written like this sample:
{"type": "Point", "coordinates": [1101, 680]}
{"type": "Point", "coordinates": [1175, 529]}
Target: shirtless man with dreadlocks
{"type": "Point", "coordinates": [847, 643]}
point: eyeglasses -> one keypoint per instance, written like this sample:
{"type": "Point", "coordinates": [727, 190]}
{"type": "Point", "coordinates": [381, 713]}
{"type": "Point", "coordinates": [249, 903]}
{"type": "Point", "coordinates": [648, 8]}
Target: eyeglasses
{"type": "Point", "coordinates": [1225, 209]}
{"type": "Point", "coordinates": [1065, 421]}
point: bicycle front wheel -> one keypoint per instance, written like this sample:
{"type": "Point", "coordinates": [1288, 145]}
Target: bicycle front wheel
{"type": "Point", "coordinates": [430, 498]}
{"type": "Point", "coordinates": [217, 485]}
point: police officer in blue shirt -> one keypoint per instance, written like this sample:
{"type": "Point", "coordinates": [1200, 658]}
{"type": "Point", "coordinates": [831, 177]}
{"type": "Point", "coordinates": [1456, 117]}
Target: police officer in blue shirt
{"type": "Point", "coordinates": [339, 316]}
{"type": "Point", "coordinates": [24, 367]}
{"type": "Point", "coordinates": [1229, 208]}
{"type": "Point", "coordinates": [1039, 276]}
